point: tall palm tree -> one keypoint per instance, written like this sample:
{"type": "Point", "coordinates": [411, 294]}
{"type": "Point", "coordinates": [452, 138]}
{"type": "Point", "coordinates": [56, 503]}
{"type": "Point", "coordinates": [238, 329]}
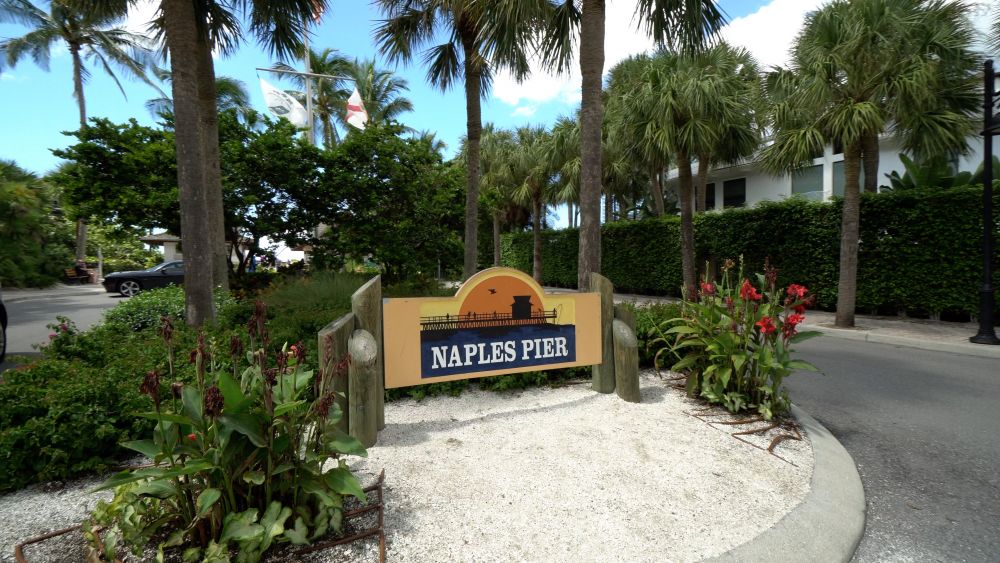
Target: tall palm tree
{"type": "Point", "coordinates": [683, 24]}
{"type": "Point", "coordinates": [478, 39]}
{"type": "Point", "coordinates": [381, 90]}
{"type": "Point", "coordinates": [497, 181]}
{"type": "Point", "coordinates": [863, 67]}
{"type": "Point", "coordinates": [231, 94]}
{"type": "Point", "coordinates": [564, 161]}
{"type": "Point", "coordinates": [532, 177]}
{"type": "Point", "coordinates": [89, 36]}
{"type": "Point", "coordinates": [329, 97]}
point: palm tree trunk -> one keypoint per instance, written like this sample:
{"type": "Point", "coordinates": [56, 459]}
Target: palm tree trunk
{"type": "Point", "coordinates": [208, 106]}
{"type": "Point", "coordinates": [81, 225]}
{"type": "Point", "coordinates": [847, 286]}
{"type": "Point", "coordinates": [181, 31]}
{"type": "Point", "coordinates": [702, 201]}
{"type": "Point", "coordinates": [496, 238]}
{"type": "Point", "coordinates": [536, 231]}
{"type": "Point", "coordinates": [687, 225]}
{"type": "Point", "coordinates": [869, 156]}
{"type": "Point", "coordinates": [591, 69]}
{"type": "Point", "coordinates": [656, 188]}
{"type": "Point", "coordinates": [609, 208]}
{"type": "Point", "coordinates": [474, 127]}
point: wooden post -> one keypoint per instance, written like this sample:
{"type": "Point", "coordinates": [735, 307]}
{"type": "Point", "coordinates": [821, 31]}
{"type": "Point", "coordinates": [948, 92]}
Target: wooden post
{"type": "Point", "coordinates": [332, 350]}
{"type": "Point", "coordinates": [366, 303]}
{"type": "Point", "coordinates": [362, 387]}
{"type": "Point", "coordinates": [604, 373]}
{"type": "Point", "coordinates": [625, 314]}
{"type": "Point", "coordinates": [626, 362]}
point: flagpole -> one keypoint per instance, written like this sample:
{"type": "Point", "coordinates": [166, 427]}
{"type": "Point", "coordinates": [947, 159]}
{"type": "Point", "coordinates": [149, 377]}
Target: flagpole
{"type": "Point", "coordinates": [310, 135]}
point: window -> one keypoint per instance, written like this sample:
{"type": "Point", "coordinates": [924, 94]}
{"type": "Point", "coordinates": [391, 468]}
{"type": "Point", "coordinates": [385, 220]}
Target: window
{"type": "Point", "coordinates": [808, 182]}
{"type": "Point", "coordinates": [734, 193]}
{"type": "Point", "coordinates": [838, 178]}
{"type": "Point", "coordinates": [710, 195]}
{"type": "Point", "coordinates": [838, 147]}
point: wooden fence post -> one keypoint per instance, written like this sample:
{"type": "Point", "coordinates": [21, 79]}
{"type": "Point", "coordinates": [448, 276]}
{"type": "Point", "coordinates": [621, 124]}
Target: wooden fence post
{"type": "Point", "coordinates": [604, 373]}
{"type": "Point", "coordinates": [333, 340]}
{"type": "Point", "coordinates": [626, 362]}
{"type": "Point", "coordinates": [366, 303]}
{"type": "Point", "coordinates": [363, 387]}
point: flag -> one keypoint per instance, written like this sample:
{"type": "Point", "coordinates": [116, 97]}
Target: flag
{"type": "Point", "coordinates": [281, 104]}
{"type": "Point", "coordinates": [356, 114]}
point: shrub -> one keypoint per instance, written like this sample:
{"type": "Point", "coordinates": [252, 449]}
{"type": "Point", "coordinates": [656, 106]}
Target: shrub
{"type": "Point", "coordinates": [147, 308]}
{"type": "Point", "coordinates": [648, 319]}
{"type": "Point", "coordinates": [919, 249]}
{"type": "Point", "coordinates": [238, 456]}
{"type": "Point", "coordinates": [735, 341]}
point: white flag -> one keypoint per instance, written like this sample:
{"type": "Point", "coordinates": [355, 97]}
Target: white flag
{"type": "Point", "coordinates": [356, 114]}
{"type": "Point", "coordinates": [281, 104]}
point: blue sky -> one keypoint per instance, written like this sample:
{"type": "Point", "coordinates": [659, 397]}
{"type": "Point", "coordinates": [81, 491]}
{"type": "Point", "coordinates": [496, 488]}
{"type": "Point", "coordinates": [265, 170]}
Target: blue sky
{"type": "Point", "coordinates": [38, 105]}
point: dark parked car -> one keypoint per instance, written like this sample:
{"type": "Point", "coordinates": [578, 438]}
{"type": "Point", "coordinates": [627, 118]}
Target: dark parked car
{"type": "Point", "coordinates": [3, 327]}
{"type": "Point", "coordinates": [130, 283]}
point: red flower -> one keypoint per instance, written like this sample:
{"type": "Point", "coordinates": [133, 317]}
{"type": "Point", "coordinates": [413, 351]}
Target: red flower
{"type": "Point", "coordinates": [765, 325]}
{"type": "Point", "coordinates": [192, 437]}
{"type": "Point", "coordinates": [797, 291]}
{"type": "Point", "coordinates": [800, 309]}
{"type": "Point", "coordinates": [795, 319]}
{"type": "Point", "coordinates": [749, 292]}
{"type": "Point", "coordinates": [707, 288]}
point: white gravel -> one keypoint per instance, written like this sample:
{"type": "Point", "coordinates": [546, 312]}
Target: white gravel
{"type": "Point", "coordinates": [544, 474]}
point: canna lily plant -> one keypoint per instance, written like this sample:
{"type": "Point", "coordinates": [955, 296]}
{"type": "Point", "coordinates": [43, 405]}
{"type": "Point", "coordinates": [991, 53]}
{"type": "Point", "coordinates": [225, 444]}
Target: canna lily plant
{"type": "Point", "coordinates": [246, 457]}
{"type": "Point", "coordinates": [735, 340]}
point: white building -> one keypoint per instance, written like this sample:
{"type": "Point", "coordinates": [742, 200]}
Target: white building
{"type": "Point", "coordinates": [745, 185]}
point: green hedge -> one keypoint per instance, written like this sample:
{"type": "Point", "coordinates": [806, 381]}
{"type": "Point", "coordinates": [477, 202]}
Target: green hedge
{"type": "Point", "coordinates": [919, 250]}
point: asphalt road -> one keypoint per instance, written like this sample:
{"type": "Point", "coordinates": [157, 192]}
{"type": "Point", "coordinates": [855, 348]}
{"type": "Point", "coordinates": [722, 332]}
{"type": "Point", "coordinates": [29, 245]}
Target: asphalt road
{"type": "Point", "coordinates": [922, 428]}
{"type": "Point", "coordinates": [28, 311]}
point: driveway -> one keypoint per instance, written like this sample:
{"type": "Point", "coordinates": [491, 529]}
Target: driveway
{"type": "Point", "coordinates": [922, 429]}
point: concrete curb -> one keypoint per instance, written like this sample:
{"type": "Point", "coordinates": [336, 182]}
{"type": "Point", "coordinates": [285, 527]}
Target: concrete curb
{"type": "Point", "coordinates": [965, 349]}
{"type": "Point", "coordinates": [829, 523]}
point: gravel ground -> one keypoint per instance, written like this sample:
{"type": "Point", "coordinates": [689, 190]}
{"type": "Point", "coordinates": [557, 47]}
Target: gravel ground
{"type": "Point", "coordinates": [544, 474]}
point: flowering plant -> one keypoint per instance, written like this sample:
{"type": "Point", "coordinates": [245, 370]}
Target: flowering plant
{"type": "Point", "coordinates": [734, 341]}
{"type": "Point", "coordinates": [249, 447]}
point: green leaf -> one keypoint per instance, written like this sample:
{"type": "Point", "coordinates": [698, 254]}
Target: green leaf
{"type": "Point", "coordinates": [342, 481]}
{"type": "Point", "coordinates": [803, 336]}
{"type": "Point", "coordinates": [241, 527]}
{"type": "Point", "coordinates": [168, 417]}
{"type": "Point", "coordinates": [247, 424]}
{"type": "Point", "coordinates": [273, 523]}
{"type": "Point", "coordinates": [347, 445]}
{"type": "Point", "coordinates": [206, 500]}
{"type": "Point", "coordinates": [724, 374]}
{"type": "Point", "coordinates": [176, 538]}
{"type": "Point", "coordinates": [298, 536]}
{"type": "Point", "coordinates": [191, 555]}
{"type": "Point", "coordinates": [160, 489]}
{"type": "Point", "coordinates": [801, 364]}
{"type": "Point", "coordinates": [683, 329]}
{"type": "Point", "coordinates": [255, 477]}
{"type": "Point", "coordinates": [287, 407]}
{"type": "Point", "coordinates": [146, 447]}
{"type": "Point", "coordinates": [685, 362]}
{"type": "Point", "coordinates": [232, 395]}
{"type": "Point", "coordinates": [191, 401]}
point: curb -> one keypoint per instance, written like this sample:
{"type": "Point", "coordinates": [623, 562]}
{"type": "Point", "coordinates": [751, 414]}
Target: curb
{"type": "Point", "coordinates": [829, 523]}
{"type": "Point", "coordinates": [978, 350]}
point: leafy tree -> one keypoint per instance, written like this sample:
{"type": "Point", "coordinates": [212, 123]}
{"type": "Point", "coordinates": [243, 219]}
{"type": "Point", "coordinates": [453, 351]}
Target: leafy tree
{"type": "Point", "coordinates": [36, 247]}
{"type": "Point", "coordinates": [863, 67]}
{"type": "Point", "coordinates": [532, 176]}
{"type": "Point", "coordinates": [684, 24]}
{"type": "Point", "coordinates": [87, 35]}
{"type": "Point", "coordinates": [479, 38]}
{"type": "Point", "coordinates": [230, 94]}
{"type": "Point", "coordinates": [389, 199]}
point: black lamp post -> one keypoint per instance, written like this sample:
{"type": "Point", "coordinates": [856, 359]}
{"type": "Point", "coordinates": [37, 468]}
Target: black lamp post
{"type": "Point", "coordinates": [991, 126]}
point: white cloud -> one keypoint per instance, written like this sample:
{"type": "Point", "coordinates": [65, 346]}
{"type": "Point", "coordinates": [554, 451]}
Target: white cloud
{"type": "Point", "coordinates": [4, 76]}
{"type": "Point", "coordinates": [526, 111]}
{"type": "Point", "coordinates": [769, 32]}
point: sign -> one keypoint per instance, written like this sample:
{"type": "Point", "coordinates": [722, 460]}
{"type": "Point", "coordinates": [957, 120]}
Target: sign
{"type": "Point", "coordinates": [500, 321]}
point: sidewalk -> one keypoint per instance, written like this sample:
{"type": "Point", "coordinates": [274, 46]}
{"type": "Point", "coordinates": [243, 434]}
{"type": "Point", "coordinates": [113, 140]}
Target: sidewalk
{"type": "Point", "coordinates": [11, 294]}
{"type": "Point", "coordinates": [938, 336]}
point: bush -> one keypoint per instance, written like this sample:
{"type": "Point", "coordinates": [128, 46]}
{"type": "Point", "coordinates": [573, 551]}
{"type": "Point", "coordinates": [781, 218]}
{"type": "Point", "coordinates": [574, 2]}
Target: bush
{"type": "Point", "coordinates": [648, 319]}
{"type": "Point", "coordinates": [919, 251]}
{"type": "Point", "coordinates": [147, 308]}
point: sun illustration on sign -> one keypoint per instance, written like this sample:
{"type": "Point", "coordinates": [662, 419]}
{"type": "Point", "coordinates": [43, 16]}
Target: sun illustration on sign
{"type": "Point", "coordinates": [498, 295]}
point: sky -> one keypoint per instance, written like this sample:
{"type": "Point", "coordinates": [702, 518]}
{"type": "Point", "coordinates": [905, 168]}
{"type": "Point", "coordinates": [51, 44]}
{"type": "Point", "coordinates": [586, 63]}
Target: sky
{"type": "Point", "coordinates": [37, 106]}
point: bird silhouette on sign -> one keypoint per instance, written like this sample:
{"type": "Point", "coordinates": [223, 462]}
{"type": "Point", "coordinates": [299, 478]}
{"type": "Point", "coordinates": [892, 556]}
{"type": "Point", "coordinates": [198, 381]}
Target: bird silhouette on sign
{"type": "Point", "coordinates": [493, 291]}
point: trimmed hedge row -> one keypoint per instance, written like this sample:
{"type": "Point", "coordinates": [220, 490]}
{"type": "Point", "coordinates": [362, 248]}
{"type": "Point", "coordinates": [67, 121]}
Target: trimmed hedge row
{"type": "Point", "coordinates": [920, 251]}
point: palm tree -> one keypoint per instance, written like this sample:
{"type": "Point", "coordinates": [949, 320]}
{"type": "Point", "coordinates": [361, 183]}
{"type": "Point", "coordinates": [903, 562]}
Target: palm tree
{"type": "Point", "coordinates": [231, 94]}
{"type": "Point", "coordinates": [497, 181]}
{"type": "Point", "coordinates": [329, 95]}
{"type": "Point", "coordinates": [381, 90]}
{"type": "Point", "coordinates": [861, 68]}
{"type": "Point", "coordinates": [684, 24]}
{"type": "Point", "coordinates": [479, 38]}
{"type": "Point", "coordinates": [564, 161]}
{"type": "Point", "coordinates": [532, 178]}
{"type": "Point", "coordinates": [88, 36]}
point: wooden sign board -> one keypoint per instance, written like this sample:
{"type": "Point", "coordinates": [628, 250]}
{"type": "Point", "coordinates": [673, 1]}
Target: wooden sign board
{"type": "Point", "coordinates": [500, 321]}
